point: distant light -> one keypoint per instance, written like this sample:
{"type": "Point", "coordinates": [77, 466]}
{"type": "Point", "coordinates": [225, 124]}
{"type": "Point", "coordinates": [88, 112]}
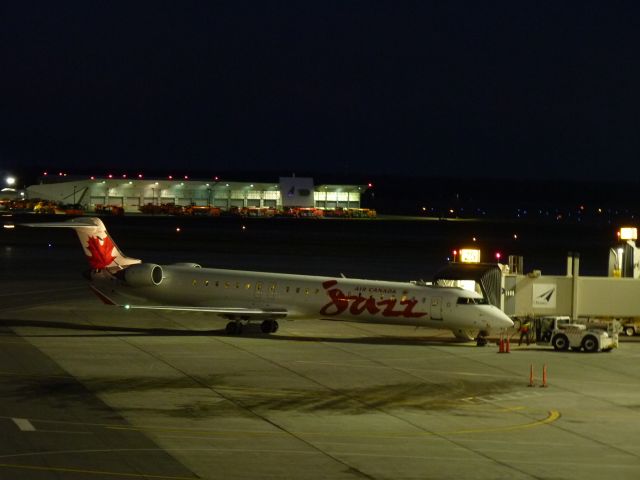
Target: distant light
{"type": "Point", "coordinates": [156, 183]}
{"type": "Point", "coordinates": [130, 182]}
{"type": "Point", "coordinates": [178, 229]}
{"type": "Point", "coordinates": [216, 178]}
{"type": "Point", "coordinates": [181, 183]}
{"type": "Point", "coordinates": [170, 177]}
{"type": "Point", "coordinates": [628, 233]}
{"type": "Point", "coordinates": [474, 239]}
{"type": "Point", "coordinates": [251, 186]}
{"type": "Point", "coordinates": [469, 255]}
{"type": "Point", "coordinates": [124, 175]}
{"type": "Point", "coordinates": [226, 185]}
{"type": "Point", "coordinates": [64, 174]}
{"type": "Point", "coordinates": [127, 307]}
{"type": "Point", "coordinates": [498, 255]}
{"type": "Point", "coordinates": [45, 173]}
{"type": "Point", "coordinates": [59, 174]}
{"type": "Point", "coordinates": [110, 176]}
{"type": "Point", "coordinates": [186, 177]}
{"type": "Point", "coordinates": [9, 226]}
{"type": "Point", "coordinates": [10, 180]}
{"type": "Point", "coordinates": [451, 211]}
{"type": "Point", "coordinates": [206, 184]}
{"type": "Point", "coordinates": [139, 175]}
{"type": "Point", "coordinates": [515, 236]}
{"type": "Point", "coordinates": [92, 177]}
{"type": "Point", "coordinates": [370, 185]}
{"type": "Point", "coordinates": [22, 194]}
{"type": "Point", "coordinates": [243, 227]}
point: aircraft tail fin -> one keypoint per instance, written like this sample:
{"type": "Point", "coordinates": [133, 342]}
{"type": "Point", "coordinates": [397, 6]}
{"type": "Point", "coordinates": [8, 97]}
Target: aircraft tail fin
{"type": "Point", "coordinates": [100, 250]}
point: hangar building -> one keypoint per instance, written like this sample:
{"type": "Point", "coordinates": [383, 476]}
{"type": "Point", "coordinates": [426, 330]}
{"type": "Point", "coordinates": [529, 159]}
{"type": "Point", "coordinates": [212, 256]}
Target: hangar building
{"type": "Point", "coordinates": [131, 193]}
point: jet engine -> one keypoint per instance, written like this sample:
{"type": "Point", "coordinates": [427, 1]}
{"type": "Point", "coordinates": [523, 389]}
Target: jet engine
{"type": "Point", "coordinates": [186, 265]}
{"type": "Point", "coordinates": [143, 275]}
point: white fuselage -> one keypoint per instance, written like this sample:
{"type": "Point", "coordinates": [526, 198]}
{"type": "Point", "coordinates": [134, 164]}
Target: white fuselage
{"type": "Point", "coordinates": [355, 300]}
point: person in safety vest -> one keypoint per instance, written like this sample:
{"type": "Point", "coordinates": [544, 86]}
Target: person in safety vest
{"type": "Point", "coordinates": [525, 329]}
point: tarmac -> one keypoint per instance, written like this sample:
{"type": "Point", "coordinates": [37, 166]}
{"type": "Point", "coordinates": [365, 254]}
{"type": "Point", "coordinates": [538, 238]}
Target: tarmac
{"type": "Point", "coordinates": [92, 391]}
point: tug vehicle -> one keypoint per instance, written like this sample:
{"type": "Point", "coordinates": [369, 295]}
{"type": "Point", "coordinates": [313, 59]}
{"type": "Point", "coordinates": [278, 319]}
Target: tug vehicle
{"type": "Point", "coordinates": [562, 333]}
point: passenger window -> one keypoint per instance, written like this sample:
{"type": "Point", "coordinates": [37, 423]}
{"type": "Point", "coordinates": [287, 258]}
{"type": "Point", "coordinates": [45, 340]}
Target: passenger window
{"type": "Point", "coordinates": [226, 284]}
{"type": "Point", "coordinates": [194, 283]}
{"type": "Point", "coordinates": [206, 283]}
{"type": "Point", "coordinates": [247, 286]}
{"type": "Point", "coordinates": [298, 290]}
{"type": "Point", "coordinates": [287, 289]}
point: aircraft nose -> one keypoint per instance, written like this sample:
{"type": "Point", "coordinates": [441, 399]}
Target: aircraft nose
{"type": "Point", "coordinates": [503, 320]}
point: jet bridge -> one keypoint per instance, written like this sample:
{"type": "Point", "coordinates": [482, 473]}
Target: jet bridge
{"type": "Point", "coordinates": [537, 295]}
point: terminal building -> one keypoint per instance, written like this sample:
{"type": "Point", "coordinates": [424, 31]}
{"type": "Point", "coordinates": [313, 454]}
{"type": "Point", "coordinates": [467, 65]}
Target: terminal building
{"type": "Point", "coordinates": [132, 193]}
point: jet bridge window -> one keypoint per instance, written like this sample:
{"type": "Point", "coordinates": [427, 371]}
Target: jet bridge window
{"type": "Point", "coordinates": [471, 301]}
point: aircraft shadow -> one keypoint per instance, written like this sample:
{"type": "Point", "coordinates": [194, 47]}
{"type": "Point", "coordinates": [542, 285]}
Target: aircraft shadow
{"type": "Point", "coordinates": [252, 332]}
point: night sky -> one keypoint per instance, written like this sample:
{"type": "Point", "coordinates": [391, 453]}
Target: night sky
{"type": "Point", "coordinates": [546, 90]}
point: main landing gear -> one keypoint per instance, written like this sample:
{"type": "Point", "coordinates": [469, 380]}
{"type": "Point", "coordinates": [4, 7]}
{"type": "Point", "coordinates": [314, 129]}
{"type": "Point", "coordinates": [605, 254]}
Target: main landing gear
{"type": "Point", "coordinates": [235, 327]}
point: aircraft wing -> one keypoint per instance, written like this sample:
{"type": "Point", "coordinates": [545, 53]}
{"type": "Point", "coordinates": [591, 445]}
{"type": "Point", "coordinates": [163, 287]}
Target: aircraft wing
{"type": "Point", "coordinates": [231, 313]}
{"type": "Point", "coordinates": [226, 312]}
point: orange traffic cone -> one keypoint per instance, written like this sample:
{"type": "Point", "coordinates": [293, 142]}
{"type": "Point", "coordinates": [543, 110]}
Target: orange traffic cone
{"type": "Point", "coordinates": [501, 344]}
{"type": "Point", "coordinates": [531, 375]}
{"type": "Point", "coordinates": [544, 376]}
{"type": "Point", "coordinates": [507, 348]}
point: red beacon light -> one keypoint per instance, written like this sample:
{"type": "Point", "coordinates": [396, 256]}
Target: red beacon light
{"type": "Point", "coordinates": [370, 185]}
{"type": "Point", "coordinates": [170, 177]}
{"type": "Point", "coordinates": [110, 176]}
{"type": "Point", "coordinates": [498, 256]}
{"type": "Point", "coordinates": [186, 177]}
{"type": "Point", "coordinates": [139, 175]}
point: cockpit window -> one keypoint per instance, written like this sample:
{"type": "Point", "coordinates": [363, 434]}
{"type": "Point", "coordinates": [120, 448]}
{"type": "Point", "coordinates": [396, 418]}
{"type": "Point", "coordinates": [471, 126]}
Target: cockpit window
{"type": "Point", "coordinates": [471, 301]}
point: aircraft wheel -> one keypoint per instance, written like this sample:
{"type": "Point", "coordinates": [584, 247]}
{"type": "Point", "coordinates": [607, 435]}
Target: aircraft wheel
{"type": "Point", "coordinates": [265, 326]}
{"type": "Point", "coordinates": [232, 328]}
{"type": "Point", "coordinates": [560, 342]}
{"type": "Point", "coordinates": [269, 326]}
{"type": "Point", "coordinates": [590, 344]}
{"type": "Point", "coordinates": [629, 331]}
{"type": "Point", "coordinates": [481, 341]}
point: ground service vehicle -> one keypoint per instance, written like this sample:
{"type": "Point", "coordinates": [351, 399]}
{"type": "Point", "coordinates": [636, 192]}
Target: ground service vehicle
{"type": "Point", "coordinates": [562, 334]}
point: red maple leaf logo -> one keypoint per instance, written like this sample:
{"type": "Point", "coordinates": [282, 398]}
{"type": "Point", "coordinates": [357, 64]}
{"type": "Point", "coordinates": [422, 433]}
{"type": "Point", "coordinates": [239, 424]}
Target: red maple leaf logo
{"type": "Point", "coordinates": [101, 253]}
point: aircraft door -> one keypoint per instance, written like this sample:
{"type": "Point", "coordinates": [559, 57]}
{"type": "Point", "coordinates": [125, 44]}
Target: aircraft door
{"type": "Point", "coordinates": [436, 308]}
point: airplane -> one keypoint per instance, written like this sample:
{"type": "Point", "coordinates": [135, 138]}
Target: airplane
{"type": "Point", "coordinates": [245, 296]}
